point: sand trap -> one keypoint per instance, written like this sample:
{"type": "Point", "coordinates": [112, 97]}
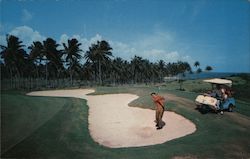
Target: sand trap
{"type": "Point", "coordinates": [114, 124]}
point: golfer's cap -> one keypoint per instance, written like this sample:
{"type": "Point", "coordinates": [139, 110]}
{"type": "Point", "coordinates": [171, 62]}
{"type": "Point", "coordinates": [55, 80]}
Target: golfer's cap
{"type": "Point", "coordinates": [153, 93]}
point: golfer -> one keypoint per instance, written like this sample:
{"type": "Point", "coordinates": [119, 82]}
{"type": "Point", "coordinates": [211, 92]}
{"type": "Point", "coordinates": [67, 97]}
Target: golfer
{"type": "Point", "coordinates": [159, 106]}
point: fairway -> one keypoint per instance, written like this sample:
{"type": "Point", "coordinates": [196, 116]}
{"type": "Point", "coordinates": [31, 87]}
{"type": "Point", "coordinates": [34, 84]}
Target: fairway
{"type": "Point", "coordinates": [56, 127]}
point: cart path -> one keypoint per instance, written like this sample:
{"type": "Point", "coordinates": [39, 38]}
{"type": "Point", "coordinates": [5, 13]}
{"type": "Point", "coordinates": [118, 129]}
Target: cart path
{"type": "Point", "coordinates": [114, 124]}
{"type": "Point", "coordinates": [184, 102]}
{"type": "Point", "coordinates": [189, 104]}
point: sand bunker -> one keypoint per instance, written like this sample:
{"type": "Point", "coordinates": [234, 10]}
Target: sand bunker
{"type": "Point", "coordinates": [114, 124]}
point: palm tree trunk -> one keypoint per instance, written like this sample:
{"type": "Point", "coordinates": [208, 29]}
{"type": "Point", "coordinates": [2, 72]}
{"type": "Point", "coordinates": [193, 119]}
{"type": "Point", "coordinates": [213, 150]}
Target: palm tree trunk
{"type": "Point", "coordinates": [100, 72]}
{"type": "Point", "coordinates": [71, 76]}
{"type": "Point", "coordinates": [37, 72]}
{"type": "Point", "coordinates": [18, 77]}
{"type": "Point", "coordinates": [181, 82]}
{"type": "Point", "coordinates": [46, 72]}
{"type": "Point", "coordinates": [11, 79]}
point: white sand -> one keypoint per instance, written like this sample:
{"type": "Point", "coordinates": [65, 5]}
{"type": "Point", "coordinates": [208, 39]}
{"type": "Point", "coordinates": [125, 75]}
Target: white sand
{"type": "Point", "coordinates": [114, 124]}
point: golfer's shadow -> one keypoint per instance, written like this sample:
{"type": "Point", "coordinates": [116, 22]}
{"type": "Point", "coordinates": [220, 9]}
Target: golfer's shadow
{"type": "Point", "coordinates": [163, 123]}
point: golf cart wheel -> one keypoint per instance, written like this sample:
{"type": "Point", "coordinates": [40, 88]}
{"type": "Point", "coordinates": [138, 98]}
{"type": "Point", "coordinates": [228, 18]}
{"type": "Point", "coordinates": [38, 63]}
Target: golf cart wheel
{"type": "Point", "coordinates": [204, 109]}
{"type": "Point", "coordinates": [198, 106]}
{"type": "Point", "coordinates": [231, 108]}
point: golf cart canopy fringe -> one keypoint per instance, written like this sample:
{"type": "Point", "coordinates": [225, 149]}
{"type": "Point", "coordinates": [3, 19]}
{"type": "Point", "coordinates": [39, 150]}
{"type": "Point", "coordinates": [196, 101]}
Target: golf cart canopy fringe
{"type": "Point", "coordinates": [219, 81]}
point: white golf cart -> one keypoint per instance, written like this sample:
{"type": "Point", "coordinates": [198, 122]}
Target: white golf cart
{"type": "Point", "coordinates": [217, 99]}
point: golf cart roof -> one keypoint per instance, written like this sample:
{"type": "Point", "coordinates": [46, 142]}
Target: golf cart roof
{"type": "Point", "coordinates": [219, 81]}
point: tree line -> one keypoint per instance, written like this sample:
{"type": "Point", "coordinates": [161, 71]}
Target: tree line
{"type": "Point", "coordinates": [45, 61]}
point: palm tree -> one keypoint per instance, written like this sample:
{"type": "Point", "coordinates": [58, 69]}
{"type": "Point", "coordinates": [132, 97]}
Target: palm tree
{"type": "Point", "coordinates": [136, 64]}
{"type": "Point", "coordinates": [99, 54]}
{"type": "Point", "coordinates": [117, 65]}
{"type": "Point", "coordinates": [36, 55]}
{"type": "Point", "coordinates": [90, 59]}
{"type": "Point", "coordinates": [150, 72]}
{"type": "Point", "coordinates": [4, 71]}
{"type": "Point", "coordinates": [182, 68]}
{"type": "Point", "coordinates": [208, 68]}
{"type": "Point", "coordinates": [76, 68]}
{"type": "Point", "coordinates": [53, 58]}
{"type": "Point", "coordinates": [199, 70]}
{"type": "Point", "coordinates": [127, 72]}
{"type": "Point", "coordinates": [87, 72]}
{"type": "Point", "coordinates": [176, 68]}
{"type": "Point", "coordinates": [197, 64]}
{"type": "Point", "coordinates": [161, 66]}
{"type": "Point", "coordinates": [146, 71]}
{"type": "Point", "coordinates": [73, 56]}
{"type": "Point", "coordinates": [14, 56]}
{"type": "Point", "coordinates": [102, 56]}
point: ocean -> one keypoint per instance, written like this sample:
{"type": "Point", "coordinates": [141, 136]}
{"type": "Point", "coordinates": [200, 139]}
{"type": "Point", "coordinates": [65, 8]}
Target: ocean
{"type": "Point", "coordinates": [205, 75]}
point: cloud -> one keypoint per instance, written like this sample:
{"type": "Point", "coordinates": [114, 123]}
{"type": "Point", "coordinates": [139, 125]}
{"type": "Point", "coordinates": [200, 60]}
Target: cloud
{"type": "Point", "coordinates": [119, 49]}
{"type": "Point", "coordinates": [27, 35]}
{"type": "Point", "coordinates": [122, 50]}
{"type": "Point", "coordinates": [176, 56]}
{"type": "Point", "coordinates": [160, 45]}
{"type": "Point", "coordinates": [3, 40]}
{"type": "Point", "coordinates": [26, 15]}
{"type": "Point", "coordinates": [155, 47]}
{"type": "Point", "coordinates": [156, 54]}
{"type": "Point", "coordinates": [96, 38]}
{"type": "Point", "coordinates": [2, 37]}
{"type": "Point", "coordinates": [1, 27]}
{"type": "Point", "coordinates": [157, 40]}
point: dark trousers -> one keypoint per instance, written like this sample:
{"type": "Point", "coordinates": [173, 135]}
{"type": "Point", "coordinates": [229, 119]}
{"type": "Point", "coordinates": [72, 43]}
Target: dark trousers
{"type": "Point", "coordinates": [158, 116]}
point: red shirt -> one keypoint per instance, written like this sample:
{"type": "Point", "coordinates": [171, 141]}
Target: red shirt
{"type": "Point", "coordinates": [158, 100]}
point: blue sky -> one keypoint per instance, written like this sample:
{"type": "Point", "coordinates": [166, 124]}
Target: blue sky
{"type": "Point", "coordinates": [213, 32]}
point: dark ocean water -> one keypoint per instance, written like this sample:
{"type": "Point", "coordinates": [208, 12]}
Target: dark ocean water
{"type": "Point", "coordinates": [204, 75]}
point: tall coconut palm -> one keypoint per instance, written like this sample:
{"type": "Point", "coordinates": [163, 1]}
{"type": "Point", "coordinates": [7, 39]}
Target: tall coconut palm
{"type": "Point", "coordinates": [136, 64]}
{"type": "Point", "coordinates": [103, 55]}
{"type": "Point", "coordinates": [117, 65]}
{"type": "Point", "coordinates": [99, 54]}
{"type": "Point", "coordinates": [150, 71]}
{"type": "Point", "coordinates": [4, 71]}
{"type": "Point", "coordinates": [14, 56]}
{"type": "Point", "coordinates": [197, 65]}
{"type": "Point", "coordinates": [76, 68]}
{"type": "Point", "coordinates": [161, 66]}
{"type": "Point", "coordinates": [145, 70]}
{"type": "Point", "coordinates": [88, 70]}
{"type": "Point", "coordinates": [53, 58]}
{"type": "Point", "coordinates": [36, 55]}
{"type": "Point", "coordinates": [127, 72]}
{"type": "Point", "coordinates": [90, 59]}
{"type": "Point", "coordinates": [182, 68]}
{"type": "Point", "coordinates": [72, 51]}
{"type": "Point", "coordinates": [173, 68]}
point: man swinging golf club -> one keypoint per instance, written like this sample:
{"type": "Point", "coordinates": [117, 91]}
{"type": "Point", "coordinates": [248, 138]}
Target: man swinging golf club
{"type": "Point", "coordinates": [159, 106]}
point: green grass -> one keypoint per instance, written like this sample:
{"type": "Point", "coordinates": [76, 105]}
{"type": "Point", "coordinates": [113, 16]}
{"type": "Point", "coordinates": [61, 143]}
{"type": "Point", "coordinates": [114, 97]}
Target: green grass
{"type": "Point", "coordinates": [241, 85]}
{"type": "Point", "coordinates": [46, 127]}
{"type": "Point", "coordinates": [22, 114]}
